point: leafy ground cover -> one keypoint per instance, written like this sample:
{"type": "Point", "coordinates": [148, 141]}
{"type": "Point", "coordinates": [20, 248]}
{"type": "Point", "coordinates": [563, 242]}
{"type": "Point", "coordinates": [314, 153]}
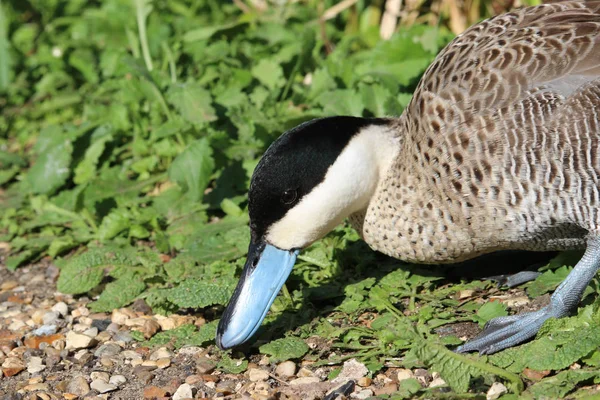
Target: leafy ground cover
{"type": "Point", "coordinates": [130, 130]}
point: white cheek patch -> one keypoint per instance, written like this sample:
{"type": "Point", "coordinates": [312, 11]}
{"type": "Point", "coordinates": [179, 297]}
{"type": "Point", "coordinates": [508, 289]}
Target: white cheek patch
{"type": "Point", "coordinates": [348, 187]}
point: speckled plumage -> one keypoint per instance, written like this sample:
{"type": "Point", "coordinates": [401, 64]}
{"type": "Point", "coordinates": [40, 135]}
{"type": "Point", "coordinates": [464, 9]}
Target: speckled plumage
{"type": "Point", "coordinates": [499, 147]}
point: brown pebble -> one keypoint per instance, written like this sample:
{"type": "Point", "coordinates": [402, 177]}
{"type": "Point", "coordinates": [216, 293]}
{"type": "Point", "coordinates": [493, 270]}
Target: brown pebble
{"type": "Point", "coordinates": [152, 392]}
{"type": "Point", "coordinates": [33, 342]}
{"type": "Point", "coordinates": [388, 388]}
{"type": "Point", "coordinates": [193, 379]}
{"type": "Point", "coordinates": [534, 375]}
{"type": "Point", "coordinates": [364, 381]}
{"type": "Point", "coordinates": [210, 378]}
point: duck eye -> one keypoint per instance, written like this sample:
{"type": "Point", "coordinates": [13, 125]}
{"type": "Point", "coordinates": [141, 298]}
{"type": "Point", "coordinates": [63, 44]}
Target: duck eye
{"type": "Point", "coordinates": [289, 196]}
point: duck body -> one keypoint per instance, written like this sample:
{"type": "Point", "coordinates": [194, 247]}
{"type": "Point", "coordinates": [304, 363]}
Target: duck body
{"type": "Point", "coordinates": [498, 149]}
{"type": "Point", "coordinates": [500, 146]}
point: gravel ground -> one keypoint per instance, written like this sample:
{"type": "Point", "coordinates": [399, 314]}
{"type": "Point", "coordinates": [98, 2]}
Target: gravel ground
{"type": "Point", "coordinates": [53, 347]}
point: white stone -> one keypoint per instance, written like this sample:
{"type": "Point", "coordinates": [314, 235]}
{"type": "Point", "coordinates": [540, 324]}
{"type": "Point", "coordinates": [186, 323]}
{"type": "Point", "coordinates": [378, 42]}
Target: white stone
{"type": "Point", "coordinates": [404, 374]}
{"type": "Point", "coordinates": [305, 380]}
{"type": "Point", "coordinates": [50, 318]}
{"type": "Point", "coordinates": [117, 380]}
{"type": "Point", "coordinates": [102, 386]}
{"type": "Point", "coordinates": [161, 353]}
{"type": "Point", "coordinates": [183, 392]}
{"type": "Point", "coordinates": [352, 370]}
{"type": "Point", "coordinates": [35, 365]}
{"type": "Point", "coordinates": [16, 325]}
{"type": "Point", "coordinates": [362, 395]}
{"type": "Point", "coordinates": [496, 390]}
{"type": "Point", "coordinates": [61, 308]}
{"type": "Point", "coordinates": [437, 382]}
{"type": "Point", "coordinates": [286, 369]}
{"type": "Point", "coordinates": [79, 341]}
{"type": "Point", "coordinates": [257, 375]}
{"type": "Point", "coordinates": [100, 376]}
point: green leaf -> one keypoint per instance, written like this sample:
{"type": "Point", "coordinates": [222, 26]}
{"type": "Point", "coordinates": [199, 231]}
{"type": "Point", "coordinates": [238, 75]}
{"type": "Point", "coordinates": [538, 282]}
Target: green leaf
{"type": "Point", "coordinates": [284, 349]}
{"type": "Point", "coordinates": [230, 365]}
{"type": "Point", "coordinates": [119, 293]}
{"type": "Point", "coordinates": [558, 386]}
{"type": "Point", "coordinates": [192, 169]}
{"type": "Point", "coordinates": [185, 335]}
{"type": "Point", "coordinates": [548, 281]}
{"type": "Point", "coordinates": [193, 102]}
{"type": "Point", "coordinates": [114, 223]}
{"type": "Point", "coordinates": [199, 294]}
{"type": "Point", "coordinates": [490, 310]}
{"type": "Point", "coordinates": [84, 272]}
{"type": "Point", "coordinates": [342, 102]}
{"type": "Point", "coordinates": [458, 370]}
{"type": "Point", "coordinates": [86, 169]}
{"type": "Point", "coordinates": [5, 58]}
{"type": "Point", "coordinates": [51, 169]}
{"type": "Point", "coordinates": [269, 73]}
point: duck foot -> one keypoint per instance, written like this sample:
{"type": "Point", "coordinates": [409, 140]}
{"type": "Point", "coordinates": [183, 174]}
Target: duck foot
{"type": "Point", "coordinates": [514, 280]}
{"type": "Point", "coordinates": [503, 332]}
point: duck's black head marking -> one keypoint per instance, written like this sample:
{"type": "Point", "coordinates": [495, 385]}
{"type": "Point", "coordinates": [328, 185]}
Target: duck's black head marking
{"type": "Point", "coordinates": [295, 163]}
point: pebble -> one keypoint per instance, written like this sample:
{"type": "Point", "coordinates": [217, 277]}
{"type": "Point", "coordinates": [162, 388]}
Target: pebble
{"type": "Point", "coordinates": [351, 370]}
{"type": "Point", "coordinates": [100, 376]}
{"type": "Point", "coordinates": [304, 372]}
{"type": "Point", "coordinates": [45, 330]}
{"type": "Point", "coordinates": [50, 318]}
{"type": "Point", "coordinates": [78, 386]}
{"type": "Point", "coordinates": [12, 366]}
{"type": "Point", "coordinates": [437, 382]}
{"type": "Point", "coordinates": [305, 380]}
{"type": "Point", "coordinates": [102, 386]}
{"type": "Point", "coordinates": [108, 349]}
{"type": "Point", "coordinates": [404, 374]}
{"type": "Point", "coordinates": [286, 369]}
{"type": "Point", "coordinates": [388, 388]}
{"type": "Point", "coordinates": [257, 375]}
{"type": "Point", "coordinates": [362, 395]}
{"type": "Point", "coordinates": [364, 381]}
{"type": "Point", "coordinates": [61, 308]}
{"type": "Point", "coordinates": [117, 380]}
{"type": "Point", "coordinates": [79, 341]}
{"type": "Point", "coordinates": [153, 392]}
{"type": "Point", "coordinates": [163, 363]}
{"type": "Point", "coordinates": [495, 391]}
{"type": "Point", "coordinates": [160, 353]}
{"type": "Point", "coordinates": [35, 365]}
{"type": "Point", "coordinates": [183, 392]}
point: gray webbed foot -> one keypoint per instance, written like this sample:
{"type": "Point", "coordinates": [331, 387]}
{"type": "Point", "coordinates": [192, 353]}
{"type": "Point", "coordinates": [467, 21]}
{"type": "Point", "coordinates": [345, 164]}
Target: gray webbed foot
{"type": "Point", "coordinates": [514, 280]}
{"type": "Point", "coordinates": [503, 332]}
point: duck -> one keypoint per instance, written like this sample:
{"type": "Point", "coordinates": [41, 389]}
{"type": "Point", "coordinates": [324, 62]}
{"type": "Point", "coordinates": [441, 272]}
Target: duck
{"type": "Point", "coordinates": [498, 149]}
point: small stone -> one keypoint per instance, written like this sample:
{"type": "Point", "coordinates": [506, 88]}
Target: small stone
{"type": "Point", "coordinates": [193, 379]}
{"type": "Point", "coordinates": [495, 391]}
{"type": "Point", "coordinates": [100, 376]}
{"type": "Point", "coordinates": [107, 362]}
{"type": "Point", "coordinates": [70, 396]}
{"type": "Point", "coordinates": [16, 325]}
{"type": "Point", "coordinates": [50, 318]}
{"type": "Point", "coordinates": [102, 386]}
{"type": "Point", "coordinates": [61, 308]}
{"type": "Point", "coordinates": [305, 380]}
{"type": "Point", "coordinates": [131, 355]}
{"type": "Point", "coordinates": [78, 386]}
{"type": "Point", "coordinates": [257, 375]}
{"type": "Point", "coordinates": [91, 332]}
{"type": "Point", "coordinates": [45, 330]}
{"type": "Point", "coordinates": [79, 341]}
{"type": "Point", "coordinates": [464, 294]}
{"type": "Point", "coordinates": [437, 382]}
{"type": "Point", "coordinates": [108, 349]}
{"type": "Point", "coordinates": [153, 392]}
{"type": "Point", "coordinates": [352, 370]}
{"type": "Point", "coordinates": [205, 366]}
{"type": "Point", "coordinates": [35, 386]}
{"type": "Point", "coordinates": [423, 376]}
{"type": "Point", "coordinates": [149, 363]}
{"type": "Point", "coordinates": [149, 328]}
{"type": "Point", "coordinates": [404, 374]}
{"type": "Point", "coordinates": [304, 372]}
{"type": "Point", "coordinates": [12, 366]}
{"type": "Point", "coordinates": [362, 395]}
{"type": "Point", "coordinates": [364, 381]}
{"type": "Point", "coordinates": [388, 388]}
{"type": "Point", "coordinates": [33, 342]}
{"type": "Point", "coordinates": [117, 380]}
{"type": "Point", "coordinates": [286, 369]}
{"type": "Point", "coordinates": [183, 392]}
{"type": "Point", "coordinates": [160, 353]}
{"type": "Point", "coordinates": [534, 375]}
{"type": "Point", "coordinates": [35, 365]}
{"type": "Point", "coordinates": [141, 306]}
{"type": "Point", "coordinates": [8, 285]}
{"type": "Point", "coordinates": [119, 317]}
{"type": "Point", "coordinates": [163, 363]}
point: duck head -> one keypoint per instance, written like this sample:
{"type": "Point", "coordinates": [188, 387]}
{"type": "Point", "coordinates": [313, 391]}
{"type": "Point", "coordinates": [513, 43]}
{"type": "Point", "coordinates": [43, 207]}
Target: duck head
{"type": "Point", "coordinates": [307, 182]}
